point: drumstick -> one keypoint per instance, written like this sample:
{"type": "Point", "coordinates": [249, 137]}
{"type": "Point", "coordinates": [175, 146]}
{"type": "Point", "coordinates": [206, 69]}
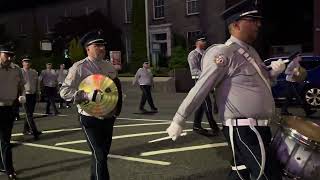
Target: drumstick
{"type": "Point", "coordinates": [165, 138]}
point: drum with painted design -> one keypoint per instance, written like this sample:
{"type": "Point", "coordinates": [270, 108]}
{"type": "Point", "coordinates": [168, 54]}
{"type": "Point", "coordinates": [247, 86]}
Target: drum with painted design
{"type": "Point", "coordinates": [297, 146]}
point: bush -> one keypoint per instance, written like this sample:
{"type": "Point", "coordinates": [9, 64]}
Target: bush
{"type": "Point", "coordinates": [178, 58]}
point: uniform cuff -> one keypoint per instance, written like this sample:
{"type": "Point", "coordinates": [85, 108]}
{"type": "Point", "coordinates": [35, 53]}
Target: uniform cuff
{"type": "Point", "coordinates": [179, 119]}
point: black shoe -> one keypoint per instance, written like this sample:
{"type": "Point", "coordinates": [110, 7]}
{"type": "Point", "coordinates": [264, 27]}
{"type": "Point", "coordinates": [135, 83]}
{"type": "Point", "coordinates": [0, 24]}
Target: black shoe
{"type": "Point", "coordinates": [142, 110]}
{"type": "Point", "coordinates": [310, 112]}
{"type": "Point", "coordinates": [27, 133]}
{"type": "Point", "coordinates": [12, 176]}
{"type": "Point", "coordinates": [56, 113]}
{"type": "Point", "coordinates": [36, 135]}
{"type": "Point", "coordinates": [154, 110]}
{"type": "Point", "coordinates": [3, 171]}
{"type": "Point", "coordinates": [200, 130]}
{"type": "Point", "coordinates": [286, 113]}
{"type": "Point", "coordinates": [215, 131]}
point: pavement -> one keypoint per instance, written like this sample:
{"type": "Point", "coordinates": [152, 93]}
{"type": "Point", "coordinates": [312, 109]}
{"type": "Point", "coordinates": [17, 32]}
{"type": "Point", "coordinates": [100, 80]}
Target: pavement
{"type": "Point", "coordinates": [61, 153]}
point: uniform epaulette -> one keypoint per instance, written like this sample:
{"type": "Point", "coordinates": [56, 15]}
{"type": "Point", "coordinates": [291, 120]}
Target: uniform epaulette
{"type": "Point", "coordinates": [78, 63]}
{"type": "Point", "coordinates": [15, 66]}
{"type": "Point", "coordinates": [217, 46]}
{"type": "Point", "coordinates": [33, 70]}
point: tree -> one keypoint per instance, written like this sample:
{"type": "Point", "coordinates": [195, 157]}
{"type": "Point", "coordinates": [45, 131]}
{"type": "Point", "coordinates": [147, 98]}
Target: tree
{"type": "Point", "coordinates": [139, 49]}
{"type": "Point", "coordinates": [76, 51]}
{"type": "Point", "coordinates": [70, 28]}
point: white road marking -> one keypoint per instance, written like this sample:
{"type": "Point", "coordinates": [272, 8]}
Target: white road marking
{"type": "Point", "coordinates": [42, 114]}
{"type": "Point", "coordinates": [70, 142]}
{"type": "Point", "coordinates": [51, 131]}
{"type": "Point", "coordinates": [144, 124]}
{"type": "Point", "coordinates": [127, 158]}
{"type": "Point", "coordinates": [191, 148]}
{"type": "Point", "coordinates": [152, 120]}
{"type": "Point", "coordinates": [120, 137]}
{"type": "Point", "coordinates": [77, 129]}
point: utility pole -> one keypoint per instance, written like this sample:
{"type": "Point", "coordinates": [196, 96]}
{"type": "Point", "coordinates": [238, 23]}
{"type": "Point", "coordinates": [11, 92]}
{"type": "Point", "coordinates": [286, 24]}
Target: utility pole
{"type": "Point", "coordinates": [147, 29]}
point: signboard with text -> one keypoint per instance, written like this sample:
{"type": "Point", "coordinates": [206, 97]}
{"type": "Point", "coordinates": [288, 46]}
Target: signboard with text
{"type": "Point", "coordinates": [115, 59]}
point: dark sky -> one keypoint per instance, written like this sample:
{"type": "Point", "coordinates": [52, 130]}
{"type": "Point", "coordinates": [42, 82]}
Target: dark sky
{"type": "Point", "coordinates": [291, 19]}
{"type": "Point", "coordinates": [285, 21]}
{"type": "Point", "coordinates": [12, 5]}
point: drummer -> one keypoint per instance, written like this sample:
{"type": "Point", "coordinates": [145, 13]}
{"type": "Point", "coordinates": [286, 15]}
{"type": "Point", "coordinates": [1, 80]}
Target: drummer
{"type": "Point", "coordinates": [98, 130]}
{"type": "Point", "coordinates": [243, 93]}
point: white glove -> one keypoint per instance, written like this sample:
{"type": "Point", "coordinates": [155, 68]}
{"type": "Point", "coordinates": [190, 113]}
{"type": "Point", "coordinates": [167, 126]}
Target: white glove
{"type": "Point", "coordinates": [174, 130]}
{"type": "Point", "coordinates": [22, 99]}
{"type": "Point", "coordinates": [82, 96]}
{"type": "Point", "coordinates": [277, 67]}
{"type": "Point", "coordinates": [95, 96]}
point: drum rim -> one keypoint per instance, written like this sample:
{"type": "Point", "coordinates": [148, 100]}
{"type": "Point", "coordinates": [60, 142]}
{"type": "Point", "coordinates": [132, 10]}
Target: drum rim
{"type": "Point", "coordinates": [295, 135]}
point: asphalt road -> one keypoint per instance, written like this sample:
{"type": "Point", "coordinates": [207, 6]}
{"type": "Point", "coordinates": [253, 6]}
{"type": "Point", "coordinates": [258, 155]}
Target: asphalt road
{"type": "Point", "coordinates": [61, 153]}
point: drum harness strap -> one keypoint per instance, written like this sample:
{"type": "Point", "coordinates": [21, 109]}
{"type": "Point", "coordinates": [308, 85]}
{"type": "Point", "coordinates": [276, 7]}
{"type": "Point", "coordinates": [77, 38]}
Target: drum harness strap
{"type": "Point", "coordinates": [251, 123]}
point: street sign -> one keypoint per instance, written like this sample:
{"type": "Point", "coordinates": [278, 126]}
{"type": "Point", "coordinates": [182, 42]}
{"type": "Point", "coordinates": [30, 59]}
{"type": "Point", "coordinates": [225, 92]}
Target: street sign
{"type": "Point", "coordinates": [45, 45]}
{"type": "Point", "coordinates": [115, 59]}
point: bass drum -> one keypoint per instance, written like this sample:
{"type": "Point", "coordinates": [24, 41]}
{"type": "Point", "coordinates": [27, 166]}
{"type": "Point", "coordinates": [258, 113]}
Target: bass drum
{"type": "Point", "coordinates": [297, 146]}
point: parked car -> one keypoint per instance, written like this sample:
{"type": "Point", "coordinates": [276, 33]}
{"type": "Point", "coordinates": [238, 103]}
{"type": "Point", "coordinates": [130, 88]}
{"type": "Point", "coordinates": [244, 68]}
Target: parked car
{"type": "Point", "coordinates": [309, 90]}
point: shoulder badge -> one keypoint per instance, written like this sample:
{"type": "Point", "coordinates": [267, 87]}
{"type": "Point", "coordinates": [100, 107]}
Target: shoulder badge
{"type": "Point", "coordinates": [219, 60]}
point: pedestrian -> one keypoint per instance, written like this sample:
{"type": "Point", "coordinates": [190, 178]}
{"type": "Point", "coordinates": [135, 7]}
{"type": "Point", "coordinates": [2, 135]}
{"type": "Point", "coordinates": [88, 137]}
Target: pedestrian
{"type": "Point", "coordinates": [144, 78]}
{"type": "Point", "coordinates": [243, 94]}
{"type": "Point", "coordinates": [12, 84]}
{"type": "Point", "coordinates": [292, 87]}
{"type": "Point", "coordinates": [48, 79]}
{"type": "Point", "coordinates": [98, 130]}
{"type": "Point", "coordinates": [194, 60]}
{"type": "Point", "coordinates": [31, 92]}
{"type": "Point", "coordinates": [62, 74]}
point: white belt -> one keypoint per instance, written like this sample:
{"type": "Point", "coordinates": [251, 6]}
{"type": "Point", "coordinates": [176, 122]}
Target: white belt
{"type": "Point", "coordinates": [246, 122]}
{"type": "Point", "coordinates": [80, 111]}
{"type": "Point", "coordinates": [195, 77]}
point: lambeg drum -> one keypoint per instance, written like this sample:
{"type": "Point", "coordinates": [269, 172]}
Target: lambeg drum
{"type": "Point", "coordinates": [296, 145]}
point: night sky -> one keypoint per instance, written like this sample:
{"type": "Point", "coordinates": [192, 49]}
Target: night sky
{"type": "Point", "coordinates": [289, 21]}
{"type": "Point", "coordinates": [285, 21]}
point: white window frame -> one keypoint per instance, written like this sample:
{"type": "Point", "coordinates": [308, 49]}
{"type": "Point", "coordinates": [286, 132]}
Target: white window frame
{"type": "Point", "coordinates": [187, 5]}
{"type": "Point", "coordinates": [127, 16]}
{"type": "Point", "coordinates": [154, 10]}
{"type": "Point", "coordinates": [198, 30]}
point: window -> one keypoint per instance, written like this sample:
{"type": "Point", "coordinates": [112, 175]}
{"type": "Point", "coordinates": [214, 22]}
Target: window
{"type": "Point", "coordinates": [158, 9]}
{"type": "Point", "coordinates": [88, 10]}
{"type": "Point", "coordinates": [162, 36]}
{"type": "Point", "coordinates": [128, 11]}
{"type": "Point", "coordinates": [191, 36]}
{"type": "Point", "coordinates": [192, 7]}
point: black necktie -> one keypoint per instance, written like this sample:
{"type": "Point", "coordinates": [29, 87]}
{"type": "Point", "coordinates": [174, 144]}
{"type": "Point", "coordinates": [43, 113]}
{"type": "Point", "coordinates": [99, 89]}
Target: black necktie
{"type": "Point", "coordinates": [199, 60]}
